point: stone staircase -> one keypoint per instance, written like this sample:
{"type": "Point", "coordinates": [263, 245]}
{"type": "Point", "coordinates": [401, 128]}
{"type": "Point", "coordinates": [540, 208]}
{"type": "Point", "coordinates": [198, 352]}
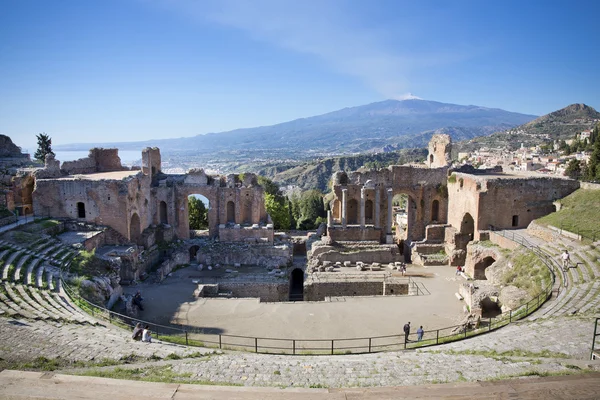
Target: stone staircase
{"type": "Point", "coordinates": [580, 293]}
{"type": "Point", "coordinates": [30, 286]}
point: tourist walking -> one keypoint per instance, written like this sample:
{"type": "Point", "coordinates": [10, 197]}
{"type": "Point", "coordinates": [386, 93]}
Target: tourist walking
{"type": "Point", "coordinates": [137, 300]}
{"type": "Point", "coordinates": [406, 332]}
{"type": "Point", "coordinates": [420, 332]}
{"type": "Point", "coordinates": [566, 259]}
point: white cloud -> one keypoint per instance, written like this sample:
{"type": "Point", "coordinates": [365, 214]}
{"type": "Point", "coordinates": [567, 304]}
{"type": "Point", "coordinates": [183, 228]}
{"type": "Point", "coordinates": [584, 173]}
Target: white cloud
{"type": "Point", "coordinates": [324, 29]}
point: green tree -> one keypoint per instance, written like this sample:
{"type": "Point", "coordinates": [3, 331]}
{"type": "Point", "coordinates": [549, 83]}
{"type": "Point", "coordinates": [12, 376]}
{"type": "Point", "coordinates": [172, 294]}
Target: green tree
{"type": "Point", "coordinates": [311, 207]}
{"type": "Point", "coordinates": [275, 203]}
{"type": "Point", "coordinates": [198, 213]}
{"type": "Point", "coordinates": [44, 147]}
{"type": "Point", "coordinates": [573, 170]}
{"type": "Point", "coordinates": [593, 166]}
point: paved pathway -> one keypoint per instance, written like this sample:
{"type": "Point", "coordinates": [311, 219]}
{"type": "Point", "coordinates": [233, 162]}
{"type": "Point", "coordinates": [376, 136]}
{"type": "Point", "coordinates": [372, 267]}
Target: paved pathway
{"type": "Point", "coordinates": [560, 337]}
{"type": "Point", "coordinates": [37, 385]}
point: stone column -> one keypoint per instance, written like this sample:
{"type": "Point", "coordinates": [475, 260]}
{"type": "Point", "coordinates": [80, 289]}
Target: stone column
{"type": "Point", "coordinates": [329, 219]}
{"type": "Point", "coordinates": [388, 227]}
{"type": "Point", "coordinates": [362, 208]}
{"type": "Point", "coordinates": [344, 207]}
{"type": "Point", "coordinates": [377, 207]}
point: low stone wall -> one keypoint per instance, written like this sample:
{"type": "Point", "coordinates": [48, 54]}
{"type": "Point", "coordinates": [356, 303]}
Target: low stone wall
{"type": "Point", "coordinates": [246, 234]}
{"type": "Point", "coordinates": [354, 233]}
{"type": "Point", "coordinates": [502, 241]}
{"type": "Point", "coordinates": [589, 186]}
{"type": "Point", "coordinates": [178, 258]}
{"type": "Point", "coordinates": [267, 292]}
{"type": "Point", "coordinates": [318, 291]}
{"type": "Point", "coordinates": [265, 255]}
{"type": "Point", "coordinates": [11, 219]}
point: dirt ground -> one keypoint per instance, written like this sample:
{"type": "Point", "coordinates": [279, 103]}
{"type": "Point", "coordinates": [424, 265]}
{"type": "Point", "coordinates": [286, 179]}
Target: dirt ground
{"type": "Point", "coordinates": [172, 301]}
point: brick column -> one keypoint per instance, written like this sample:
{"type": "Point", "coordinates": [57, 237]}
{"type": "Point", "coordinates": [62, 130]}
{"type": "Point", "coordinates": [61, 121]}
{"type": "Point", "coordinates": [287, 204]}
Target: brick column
{"type": "Point", "coordinates": [329, 219]}
{"type": "Point", "coordinates": [344, 207]}
{"type": "Point", "coordinates": [362, 208]}
{"type": "Point", "coordinates": [390, 196]}
{"type": "Point", "coordinates": [377, 207]}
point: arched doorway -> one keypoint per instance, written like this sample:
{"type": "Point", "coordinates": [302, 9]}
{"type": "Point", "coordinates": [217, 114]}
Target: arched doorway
{"type": "Point", "coordinates": [198, 207]}
{"type": "Point", "coordinates": [430, 159]}
{"type": "Point", "coordinates": [134, 228]}
{"type": "Point", "coordinates": [80, 210]}
{"type": "Point", "coordinates": [404, 211]}
{"type": "Point", "coordinates": [194, 252]}
{"type": "Point", "coordinates": [162, 211]}
{"type": "Point", "coordinates": [468, 226]}
{"type": "Point", "coordinates": [369, 211]}
{"type": "Point", "coordinates": [297, 285]}
{"type": "Point", "coordinates": [352, 212]}
{"type": "Point", "coordinates": [230, 212]}
{"type": "Point", "coordinates": [435, 211]}
{"type": "Point", "coordinates": [481, 266]}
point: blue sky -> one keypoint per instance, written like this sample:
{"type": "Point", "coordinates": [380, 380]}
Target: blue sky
{"type": "Point", "coordinates": [126, 70]}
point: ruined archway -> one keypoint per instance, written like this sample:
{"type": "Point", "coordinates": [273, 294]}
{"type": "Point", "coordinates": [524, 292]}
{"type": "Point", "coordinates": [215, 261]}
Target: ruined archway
{"type": "Point", "coordinates": [198, 206]}
{"type": "Point", "coordinates": [297, 285]}
{"type": "Point", "coordinates": [231, 212]}
{"type": "Point", "coordinates": [352, 212]}
{"type": "Point", "coordinates": [467, 226]}
{"type": "Point", "coordinates": [194, 252]}
{"type": "Point", "coordinates": [435, 211]}
{"type": "Point", "coordinates": [404, 211]}
{"type": "Point", "coordinates": [134, 228]}
{"type": "Point", "coordinates": [489, 308]}
{"type": "Point", "coordinates": [162, 212]}
{"type": "Point", "coordinates": [481, 266]}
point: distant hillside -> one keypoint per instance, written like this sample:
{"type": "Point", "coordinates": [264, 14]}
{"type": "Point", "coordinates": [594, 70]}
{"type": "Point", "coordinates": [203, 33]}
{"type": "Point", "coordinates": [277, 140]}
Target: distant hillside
{"type": "Point", "coordinates": [316, 174]}
{"type": "Point", "coordinates": [561, 124]}
{"type": "Point", "coordinates": [385, 125]}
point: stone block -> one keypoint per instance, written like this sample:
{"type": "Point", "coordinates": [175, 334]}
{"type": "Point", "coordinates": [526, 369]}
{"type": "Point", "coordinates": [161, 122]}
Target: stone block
{"type": "Point", "coordinates": [347, 264]}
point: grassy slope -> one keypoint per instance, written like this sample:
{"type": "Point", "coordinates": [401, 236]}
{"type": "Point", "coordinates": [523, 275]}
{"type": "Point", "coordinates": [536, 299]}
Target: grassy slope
{"type": "Point", "coordinates": [580, 213]}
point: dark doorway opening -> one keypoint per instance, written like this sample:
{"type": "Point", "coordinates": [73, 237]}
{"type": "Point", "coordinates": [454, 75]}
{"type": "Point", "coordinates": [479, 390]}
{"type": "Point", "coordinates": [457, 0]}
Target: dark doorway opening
{"type": "Point", "coordinates": [468, 226]}
{"type": "Point", "coordinates": [194, 252]}
{"type": "Point", "coordinates": [80, 210]}
{"type": "Point", "coordinates": [515, 220]}
{"type": "Point", "coordinates": [481, 266]}
{"type": "Point", "coordinates": [297, 285]}
{"type": "Point", "coordinates": [163, 213]}
{"type": "Point", "coordinates": [435, 211]}
{"type": "Point", "coordinates": [231, 211]}
{"type": "Point", "coordinates": [352, 212]}
{"type": "Point", "coordinates": [489, 308]}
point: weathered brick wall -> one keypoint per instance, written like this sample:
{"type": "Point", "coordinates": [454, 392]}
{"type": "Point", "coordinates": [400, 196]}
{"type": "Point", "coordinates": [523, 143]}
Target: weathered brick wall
{"type": "Point", "coordinates": [98, 160]}
{"type": "Point", "coordinates": [233, 253]}
{"type": "Point", "coordinates": [272, 292]}
{"type": "Point", "coordinates": [354, 233]}
{"type": "Point", "coordinates": [383, 254]}
{"type": "Point", "coordinates": [502, 241]}
{"type": "Point", "coordinates": [318, 291]}
{"type": "Point", "coordinates": [239, 234]}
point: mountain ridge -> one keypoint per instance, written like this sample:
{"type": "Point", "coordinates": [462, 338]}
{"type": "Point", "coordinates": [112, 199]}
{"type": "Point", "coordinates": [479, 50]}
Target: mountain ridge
{"type": "Point", "coordinates": [396, 123]}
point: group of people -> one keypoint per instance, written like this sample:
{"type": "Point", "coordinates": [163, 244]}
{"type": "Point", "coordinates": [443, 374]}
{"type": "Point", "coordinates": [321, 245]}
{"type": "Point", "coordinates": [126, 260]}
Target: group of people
{"type": "Point", "coordinates": [142, 334]}
{"type": "Point", "coordinates": [420, 332]}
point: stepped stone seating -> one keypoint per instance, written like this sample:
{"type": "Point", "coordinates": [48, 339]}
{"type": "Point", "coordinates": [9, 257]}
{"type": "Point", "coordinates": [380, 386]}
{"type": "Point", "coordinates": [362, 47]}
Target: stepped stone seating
{"type": "Point", "coordinates": [9, 262]}
{"type": "Point", "coordinates": [22, 261]}
{"type": "Point", "coordinates": [32, 265]}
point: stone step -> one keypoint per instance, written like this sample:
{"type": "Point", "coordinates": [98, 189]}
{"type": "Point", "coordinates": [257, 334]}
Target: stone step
{"type": "Point", "coordinates": [592, 293]}
{"type": "Point", "coordinates": [22, 261]}
{"type": "Point", "coordinates": [9, 261]}
{"type": "Point", "coordinates": [65, 299]}
{"type": "Point", "coordinates": [43, 302]}
{"type": "Point", "coordinates": [578, 295]}
{"type": "Point", "coordinates": [61, 306]}
{"type": "Point", "coordinates": [38, 276]}
{"type": "Point", "coordinates": [30, 268]}
{"type": "Point", "coordinates": [16, 306]}
{"type": "Point", "coordinates": [20, 290]}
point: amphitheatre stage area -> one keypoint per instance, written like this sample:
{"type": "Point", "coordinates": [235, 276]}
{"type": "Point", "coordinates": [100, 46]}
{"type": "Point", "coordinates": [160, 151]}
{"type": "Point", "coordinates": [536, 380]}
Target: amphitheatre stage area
{"type": "Point", "coordinates": [242, 309]}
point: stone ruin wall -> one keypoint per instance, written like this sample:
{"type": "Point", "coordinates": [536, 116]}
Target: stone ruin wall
{"type": "Point", "coordinates": [107, 202]}
{"type": "Point", "coordinates": [318, 291]}
{"type": "Point", "coordinates": [422, 185]}
{"type": "Point", "coordinates": [98, 160]}
{"type": "Point", "coordinates": [440, 148]}
{"type": "Point", "coordinates": [494, 201]}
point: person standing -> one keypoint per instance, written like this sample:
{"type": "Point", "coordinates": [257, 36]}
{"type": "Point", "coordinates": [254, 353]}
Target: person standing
{"type": "Point", "coordinates": [420, 332]}
{"type": "Point", "coordinates": [406, 332]}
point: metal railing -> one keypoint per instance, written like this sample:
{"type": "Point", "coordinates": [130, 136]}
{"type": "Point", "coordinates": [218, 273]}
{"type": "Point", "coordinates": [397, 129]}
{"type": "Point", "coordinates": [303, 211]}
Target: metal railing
{"type": "Point", "coordinates": [194, 336]}
{"type": "Point", "coordinates": [595, 354]}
